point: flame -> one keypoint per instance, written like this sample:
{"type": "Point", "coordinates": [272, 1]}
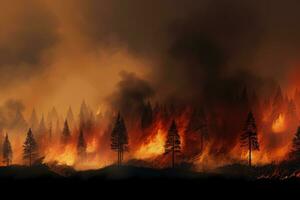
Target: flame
{"type": "Point", "coordinates": [278, 125]}
{"type": "Point", "coordinates": [91, 146]}
{"type": "Point", "coordinates": [153, 147]}
{"type": "Point", "coordinates": [66, 156]}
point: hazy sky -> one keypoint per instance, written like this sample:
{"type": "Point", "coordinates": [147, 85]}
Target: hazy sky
{"type": "Point", "coordinates": [55, 52]}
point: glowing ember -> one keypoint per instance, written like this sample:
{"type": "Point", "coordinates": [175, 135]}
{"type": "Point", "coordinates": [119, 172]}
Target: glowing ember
{"type": "Point", "coordinates": [278, 125]}
{"type": "Point", "coordinates": [154, 147]}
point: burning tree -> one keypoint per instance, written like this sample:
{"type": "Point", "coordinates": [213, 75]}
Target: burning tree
{"type": "Point", "coordinates": [249, 138]}
{"type": "Point", "coordinates": [30, 149]}
{"type": "Point", "coordinates": [66, 134]}
{"type": "Point", "coordinates": [81, 144]}
{"type": "Point", "coordinates": [173, 142]}
{"type": "Point", "coordinates": [198, 123]}
{"type": "Point", "coordinates": [295, 153]}
{"type": "Point", "coordinates": [119, 138]}
{"type": "Point", "coordinates": [7, 151]}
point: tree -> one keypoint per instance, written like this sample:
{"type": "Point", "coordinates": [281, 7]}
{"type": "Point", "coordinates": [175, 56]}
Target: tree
{"type": "Point", "coordinates": [249, 138]}
{"type": "Point", "coordinates": [291, 113]}
{"type": "Point", "coordinates": [277, 105]}
{"type": "Point", "coordinates": [50, 131]}
{"type": "Point", "coordinates": [42, 130]}
{"type": "Point", "coordinates": [81, 144]}
{"type": "Point", "coordinates": [90, 122]}
{"type": "Point", "coordinates": [7, 151]}
{"type": "Point", "coordinates": [295, 153]}
{"type": "Point", "coordinates": [30, 148]}
{"type": "Point", "coordinates": [119, 138]}
{"type": "Point", "coordinates": [70, 117]}
{"type": "Point", "coordinates": [198, 124]}
{"type": "Point", "coordinates": [173, 142]}
{"type": "Point", "coordinates": [66, 134]}
{"type": "Point", "coordinates": [83, 115]}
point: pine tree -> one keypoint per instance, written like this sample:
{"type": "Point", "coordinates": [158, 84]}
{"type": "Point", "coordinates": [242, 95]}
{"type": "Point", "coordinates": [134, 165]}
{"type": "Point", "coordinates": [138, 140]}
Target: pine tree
{"type": "Point", "coordinates": [173, 142]}
{"type": "Point", "coordinates": [70, 117]}
{"type": "Point", "coordinates": [83, 115]}
{"type": "Point", "coordinates": [50, 132]}
{"type": "Point", "coordinates": [7, 151]}
{"type": "Point", "coordinates": [42, 127]}
{"type": "Point", "coordinates": [54, 114]}
{"type": "Point", "coordinates": [90, 122]}
{"type": "Point", "coordinates": [57, 127]}
{"type": "Point", "coordinates": [295, 153]}
{"type": "Point", "coordinates": [198, 123]}
{"type": "Point", "coordinates": [291, 113]}
{"type": "Point", "coordinates": [66, 134]}
{"type": "Point", "coordinates": [249, 138]}
{"type": "Point", "coordinates": [81, 144]}
{"type": "Point", "coordinates": [119, 138]}
{"type": "Point", "coordinates": [277, 104]}
{"type": "Point", "coordinates": [30, 148]}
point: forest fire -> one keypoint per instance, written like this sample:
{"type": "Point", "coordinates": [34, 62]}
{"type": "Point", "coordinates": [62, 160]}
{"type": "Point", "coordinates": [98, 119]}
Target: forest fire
{"type": "Point", "coordinates": [85, 142]}
{"type": "Point", "coordinates": [200, 87]}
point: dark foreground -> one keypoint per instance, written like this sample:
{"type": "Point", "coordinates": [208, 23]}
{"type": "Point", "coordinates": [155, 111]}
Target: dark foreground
{"type": "Point", "coordinates": [128, 179]}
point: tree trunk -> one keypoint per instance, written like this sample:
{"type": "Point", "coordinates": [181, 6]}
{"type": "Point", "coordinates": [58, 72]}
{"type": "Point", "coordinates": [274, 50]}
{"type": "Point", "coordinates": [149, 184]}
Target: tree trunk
{"type": "Point", "coordinates": [250, 151]}
{"type": "Point", "coordinates": [119, 157]}
{"type": "Point", "coordinates": [173, 153]}
{"type": "Point", "coordinates": [29, 159]}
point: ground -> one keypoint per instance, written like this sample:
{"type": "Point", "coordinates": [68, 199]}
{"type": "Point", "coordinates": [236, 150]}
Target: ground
{"type": "Point", "coordinates": [228, 177]}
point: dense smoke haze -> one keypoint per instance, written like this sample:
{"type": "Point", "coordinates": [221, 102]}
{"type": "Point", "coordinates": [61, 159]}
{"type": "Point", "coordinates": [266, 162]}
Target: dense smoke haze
{"type": "Point", "coordinates": [217, 57]}
{"type": "Point", "coordinates": [190, 48]}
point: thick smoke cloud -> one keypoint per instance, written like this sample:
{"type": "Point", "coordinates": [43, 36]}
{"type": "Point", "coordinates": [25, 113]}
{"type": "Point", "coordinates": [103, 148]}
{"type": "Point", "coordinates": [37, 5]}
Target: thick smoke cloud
{"type": "Point", "coordinates": [196, 49]}
{"type": "Point", "coordinates": [131, 95]}
{"type": "Point", "coordinates": [8, 113]}
{"type": "Point", "coordinates": [198, 45]}
{"type": "Point", "coordinates": [28, 30]}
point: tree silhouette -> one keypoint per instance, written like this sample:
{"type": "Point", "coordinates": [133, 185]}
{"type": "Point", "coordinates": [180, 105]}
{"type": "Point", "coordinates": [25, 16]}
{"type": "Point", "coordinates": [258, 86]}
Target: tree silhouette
{"type": "Point", "coordinates": [42, 130]}
{"type": "Point", "coordinates": [81, 144]}
{"type": "Point", "coordinates": [249, 138]}
{"type": "Point", "coordinates": [66, 134]}
{"type": "Point", "coordinates": [30, 149]}
{"type": "Point", "coordinates": [198, 123]}
{"type": "Point", "coordinates": [83, 115]}
{"type": "Point", "coordinates": [70, 117]}
{"type": "Point", "coordinates": [173, 142]}
{"type": "Point", "coordinates": [7, 151]}
{"type": "Point", "coordinates": [119, 138]}
{"type": "Point", "coordinates": [295, 153]}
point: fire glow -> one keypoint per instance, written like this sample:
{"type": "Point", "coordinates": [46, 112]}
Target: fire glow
{"type": "Point", "coordinates": [148, 136]}
{"type": "Point", "coordinates": [279, 125]}
{"type": "Point", "coordinates": [153, 147]}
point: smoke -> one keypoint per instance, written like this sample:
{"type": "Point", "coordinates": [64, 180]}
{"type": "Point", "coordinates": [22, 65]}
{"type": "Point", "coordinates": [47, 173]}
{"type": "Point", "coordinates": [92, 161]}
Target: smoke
{"type": "Point", "coordinates": [190, 51]}
{"type": "Point", "coordinates": [131, 94]}
{"type": "Point", "coordinates": [28, 31]}
{"type": "Point", "coordinates": [8, 113]}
